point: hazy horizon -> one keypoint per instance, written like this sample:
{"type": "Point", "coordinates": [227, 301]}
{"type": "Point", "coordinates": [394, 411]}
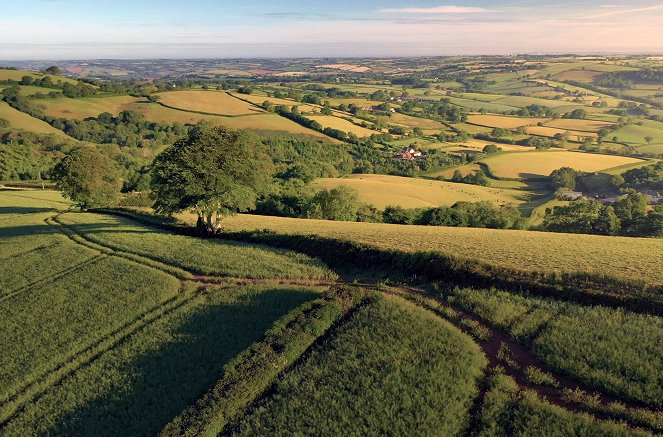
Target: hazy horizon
{"type": "Point", "coordinates": [79, 30]}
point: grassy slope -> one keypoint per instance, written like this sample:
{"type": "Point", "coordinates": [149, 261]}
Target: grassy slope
{"type": "Point", "coordinates": [382, 190]}
{"type": "Point", "coordinates": [82, 108]}
{"type": "Point", "coordinates": [19, 120]}
{"type": "Point", "coordinates": [634, 258]}
{"type": "Point", "coordinates": [213, 102]}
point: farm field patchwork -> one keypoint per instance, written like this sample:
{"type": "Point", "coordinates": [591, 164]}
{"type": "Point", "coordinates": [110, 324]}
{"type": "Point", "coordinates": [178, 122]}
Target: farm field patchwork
{"type": "Point", "coordinates": [382, 191]}
{"type": "Point", "coordinates": [503, 121]}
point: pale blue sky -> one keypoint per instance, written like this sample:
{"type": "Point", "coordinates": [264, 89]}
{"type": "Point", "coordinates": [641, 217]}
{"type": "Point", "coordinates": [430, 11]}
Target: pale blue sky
{"type": "Point", "coordinates": [79, 29]}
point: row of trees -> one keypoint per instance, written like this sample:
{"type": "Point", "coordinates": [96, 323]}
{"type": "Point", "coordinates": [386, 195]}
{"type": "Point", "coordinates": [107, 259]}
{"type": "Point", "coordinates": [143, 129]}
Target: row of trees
{"type": "Point", "coordinates": [630, 216]}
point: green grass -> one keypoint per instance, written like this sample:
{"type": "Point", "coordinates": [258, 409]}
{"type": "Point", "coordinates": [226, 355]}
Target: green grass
{"type": "Point", "coordinates": [628, 258]}
{"type": "Point", "coordinates": [507, 411]}
{"type": "Point", "coordinates": [22, 121]}
{"type": "Point", "coordinates": [392, 368]}
{"type": "Point", "coordinates": [592, 344]}
{"type": "Point", "coordinates": [144, 381]}
{"type": "Point", "coordinates": [208, 257]}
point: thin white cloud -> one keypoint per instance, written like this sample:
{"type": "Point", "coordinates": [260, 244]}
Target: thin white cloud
{"type": "Point", "coordinates": [614, 10]}
{"type": "Point", "coordinates": [450, 9]}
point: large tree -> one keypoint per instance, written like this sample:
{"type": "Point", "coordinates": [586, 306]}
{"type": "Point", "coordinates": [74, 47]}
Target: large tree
{"type": "Point", "coordinates": [89, 178]}
{"type": "Point", "coordinates": [214, 172]}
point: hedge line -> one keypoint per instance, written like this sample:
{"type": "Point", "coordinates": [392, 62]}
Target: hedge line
{"type": "Point", "coordinates": [581, 287]}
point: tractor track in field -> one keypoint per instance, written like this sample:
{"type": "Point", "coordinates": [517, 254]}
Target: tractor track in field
{"type": "Point", "coordinates": [12, 403]}
{"type": "Point", "coordinates": [524, 358]}
{"type": "Point", "coordinates": [71, 269]}
{"type": "Point", "coordinates": [39, 383]}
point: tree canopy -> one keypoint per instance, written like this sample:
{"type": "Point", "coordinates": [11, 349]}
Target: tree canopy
{"type": "Point", "coordinates": [89, 178]}
{"type": "Point", "coordinates": [213, 172]}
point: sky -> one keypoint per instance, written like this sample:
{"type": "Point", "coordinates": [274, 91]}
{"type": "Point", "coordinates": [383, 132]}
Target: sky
{"type": "Point", "coordinates": [131, 29]}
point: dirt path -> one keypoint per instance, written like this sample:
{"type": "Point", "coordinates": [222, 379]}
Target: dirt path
{"type": "Point", "coordinates": [499, 342]}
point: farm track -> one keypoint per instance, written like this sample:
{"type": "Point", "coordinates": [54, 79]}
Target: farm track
{"type": "Point", "coordinates": [33, 389]}
{"type": "Point", "coordinates": [34, 249]}
{"type": "Point", "coordinates": [7, 295]}
{"type": "Point", "coordinates": [523, 358]}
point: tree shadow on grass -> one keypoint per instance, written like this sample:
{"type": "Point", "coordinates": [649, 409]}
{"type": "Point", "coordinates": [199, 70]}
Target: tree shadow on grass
{"type": "Point", "coordinates": [160, 384]}
{"type": "Point", "coordinates": [4, 210]}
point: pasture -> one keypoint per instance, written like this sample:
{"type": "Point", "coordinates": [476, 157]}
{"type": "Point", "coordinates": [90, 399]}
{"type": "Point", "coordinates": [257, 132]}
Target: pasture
{"type": "Point", "coordinates": [381, 191]}
{"type": "Point", "coordinates": [82, 108]}
{"type": "Point", "coordinates": [526, 250]}
{"type": "Point", "coordinates": [20, 120]}
{"type": "Point", "coordinates": [211, 102]}
{"type": "Point", "coordinates": [17, 75]}
{"type": "Point", "coordinates": [542, 163]}
{"type": "Point", "coordinates": [502, 121]}
{"type": "Point", "coordinates": [341, 124]}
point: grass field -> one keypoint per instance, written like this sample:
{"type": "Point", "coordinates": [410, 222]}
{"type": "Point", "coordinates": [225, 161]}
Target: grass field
{"type": "Point", "coordinates": [527, 250]}
{"type": "Point", "coordinates": [212, 102]}
{"type": "Point", "coordinates": [20, 120]}
{"type": "Point", "coordinates": [502, 121]}
{"type": "Point", "coordinates": [341, 124]}
{"type": "Point", "coordinates": [579, 125]}
{"type": "Point", "coordinates": [82, 108]}
{"type": "Point", "coordinates": [28, 90]}
{"type": "Point", "coordinates": [392, 368]}
{"type": "Point", "coordinates": [265, 121]}
{"type": "Point", "coordinates": [635, 134]}
{"type": "Point", "coordinates": [382, 191]}
{"type": "Point", "coordinates": [17, 75]}
{"type": "Point", "coordinates": [537, 164]}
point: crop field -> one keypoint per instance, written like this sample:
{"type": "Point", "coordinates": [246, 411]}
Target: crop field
{"type": "Point", "coordinates": [503, 121]}
{"type": "Point", "coordinates": [545, 131]}
{"type": "Point", "coordinates": [382, 191]}
{"type": "Point", "coordinates": [82, 108]}
{"type": "Point", "coordinates": [341, 124]}
{"type": "Point", "coordinates": [579, 125]}
{"type": "Point", "coordinates": [588, 343]}
{"type": "Point", "coordinates": [526, 250]}
{"type": "Point", "coordinates": [20, 120]}
{"type": "Point", "coordinates": [264, 121]}
{"type": "Point", "coordinates": [200, 256]}
{"type": "Point", "coordinates": [475, 105]}
{"type": "Point", "coordinates": [537, 164]}
{"type": "Point", "coordinates": [212, 102]}
{"type": "Point", "coordinates": [397, 346]}
{"type": "Point", "coordinates": [410, 121]}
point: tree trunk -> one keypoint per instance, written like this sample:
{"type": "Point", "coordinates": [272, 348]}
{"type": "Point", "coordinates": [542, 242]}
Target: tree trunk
{"type": "Point", "coordinates": [200, 224]}
{"type": "Point", "coordinates": [212, 223]}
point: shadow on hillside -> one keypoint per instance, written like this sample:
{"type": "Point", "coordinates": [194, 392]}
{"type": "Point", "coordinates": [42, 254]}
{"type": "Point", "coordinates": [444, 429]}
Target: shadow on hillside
{"type": "Point", "coordinates": [150, 390]}
{"type": "Point", "coordinates": [22, 210]}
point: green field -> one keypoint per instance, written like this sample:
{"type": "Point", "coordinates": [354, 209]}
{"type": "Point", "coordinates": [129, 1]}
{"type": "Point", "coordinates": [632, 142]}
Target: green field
{"type": "Point", "coordinates": [108, 325]}
{"type": "Point", "coordinates": [82, 108]}
{"type": "Point", "coordinates": [526, 250]}
{"type": "Point", "coordinates": [22, 121]}
{"type": "Point", "coordinates": [360, 379]}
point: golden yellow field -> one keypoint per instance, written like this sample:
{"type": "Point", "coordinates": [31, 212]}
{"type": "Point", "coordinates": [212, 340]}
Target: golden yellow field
{"type": "Point", "coordinates": [382, 190]}
{"type": "Point", "coordinates": [213, 102]}
{"type": "Point", "coordinates": [579, 125]}
{"type": "Point", "coordinates": [341, 124]}
{"type": "Point", "coordinates": [19, 120]}
{"type": "Point", "coordinates": [502, 121]}
{"type": "Point", "coordinates": [18, 74]}
{"type": "Point", "coordinates": [82, 108]}
{"type": "Point", "coordinates": [633, 258]}
{"type": "Point", "coordinates": [345, 67]}
{"type": "Point", "coordinates": [546, 131]}
{"type": "Point", "coordinates": [409, 121]}
{"type": "Point", "coordinates": [478, 145]}
{"type": "Point", "coordinates": [542, 163]}
{"type": "Point", "coordinates": [265, 121]}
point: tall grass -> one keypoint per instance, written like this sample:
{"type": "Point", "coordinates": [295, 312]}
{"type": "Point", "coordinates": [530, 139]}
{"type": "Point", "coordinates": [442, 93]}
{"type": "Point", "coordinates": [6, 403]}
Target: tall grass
{"type": "Point", "coordinates": [392, 368]}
